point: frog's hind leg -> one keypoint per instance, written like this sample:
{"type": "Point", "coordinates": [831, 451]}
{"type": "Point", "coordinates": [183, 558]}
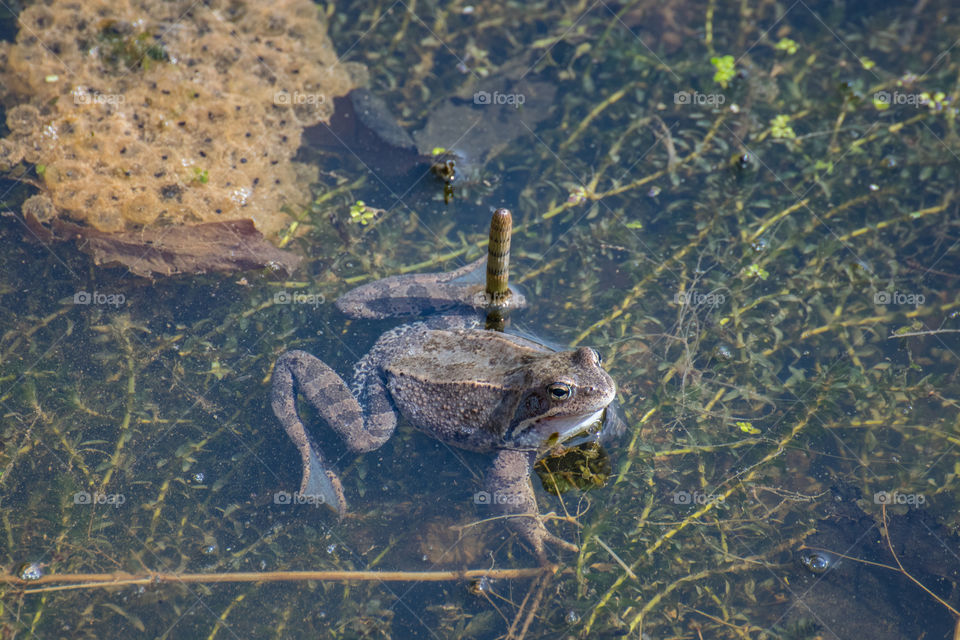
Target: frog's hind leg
{"type": "Point", "coordinates": [510, 492]}
{"type": "Point", "coordinates": [326, 391]}
{"type": "Point", "coordinates": [415, 294]}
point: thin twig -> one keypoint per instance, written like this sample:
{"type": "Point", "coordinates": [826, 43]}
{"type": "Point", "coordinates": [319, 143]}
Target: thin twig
{"type": "Point", "coordinates": [623, 565]}
{"type": "Point", "coordinates": [932, 332]}
{"type": "Point", "coordinates": [99, 580]}
{"type": "Point", "coordinates": [886, 537]}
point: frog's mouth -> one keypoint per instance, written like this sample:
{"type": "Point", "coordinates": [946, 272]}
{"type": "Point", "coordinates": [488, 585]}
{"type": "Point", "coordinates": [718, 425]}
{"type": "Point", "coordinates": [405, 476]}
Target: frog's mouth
{"type": "Point", "coordinates": [554, 430]}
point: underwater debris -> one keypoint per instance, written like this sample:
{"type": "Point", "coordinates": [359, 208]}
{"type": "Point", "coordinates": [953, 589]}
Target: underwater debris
{"type": "Point", "coordinates": [201, 248]}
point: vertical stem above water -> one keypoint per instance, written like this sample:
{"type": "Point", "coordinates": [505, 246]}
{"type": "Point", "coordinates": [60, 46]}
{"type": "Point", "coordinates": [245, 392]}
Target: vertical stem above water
{"type": "Point", "coordinates": [498, 267]}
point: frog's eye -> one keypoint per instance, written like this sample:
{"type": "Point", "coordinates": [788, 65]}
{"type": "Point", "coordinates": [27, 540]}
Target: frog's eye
{"type": "Point", "coordinates": [559, 390]}
{"type": "Point", "coordinates": [597, 355]}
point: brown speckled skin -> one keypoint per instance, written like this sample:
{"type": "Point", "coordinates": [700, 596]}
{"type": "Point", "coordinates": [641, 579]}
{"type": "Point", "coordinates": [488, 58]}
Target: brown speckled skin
{"type": "Point", "coordinates": [468, 387]}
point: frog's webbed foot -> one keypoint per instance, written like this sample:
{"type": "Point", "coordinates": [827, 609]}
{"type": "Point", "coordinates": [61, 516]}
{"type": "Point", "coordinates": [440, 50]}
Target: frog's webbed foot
{"type": "Point", "coordinates": [510, 491]}
{"type": "Point", "coordinates": [320, 481]}
{"type": "Point", "coordinates": [326, 391]}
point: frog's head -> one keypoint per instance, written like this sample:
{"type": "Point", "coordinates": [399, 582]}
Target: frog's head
{"type": "Point", "coordinates": [567, 394]}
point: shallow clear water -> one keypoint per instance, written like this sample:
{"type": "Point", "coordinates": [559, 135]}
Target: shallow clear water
{"type": "Point", "coordinates": [746, 257]}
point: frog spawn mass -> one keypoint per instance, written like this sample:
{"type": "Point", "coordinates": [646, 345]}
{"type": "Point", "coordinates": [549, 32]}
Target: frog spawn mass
{"type": "Point", "coordinates": [141, 114]}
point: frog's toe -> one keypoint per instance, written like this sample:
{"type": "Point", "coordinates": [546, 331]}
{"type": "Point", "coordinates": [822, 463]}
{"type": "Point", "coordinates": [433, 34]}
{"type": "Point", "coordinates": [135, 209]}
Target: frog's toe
{"type": "Point", "coordinates": [538, 537]}
{"type": "Point", "coordinates": [322, 484]}
{"type": "Point", "coordinates": [560, 542]}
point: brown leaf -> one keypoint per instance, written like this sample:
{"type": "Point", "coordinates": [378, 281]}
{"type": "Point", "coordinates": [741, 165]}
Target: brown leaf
{"type": "Point", "coordinates": [233, 245]}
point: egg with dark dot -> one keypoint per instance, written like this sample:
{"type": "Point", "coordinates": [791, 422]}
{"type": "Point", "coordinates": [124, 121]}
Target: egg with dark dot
{"type": "Point", "coordinates": [817, 562]}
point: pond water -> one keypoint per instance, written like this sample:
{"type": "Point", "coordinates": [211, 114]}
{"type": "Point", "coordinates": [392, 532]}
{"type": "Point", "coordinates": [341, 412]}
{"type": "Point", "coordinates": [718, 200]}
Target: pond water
{"type": "Point", "coordinates": [750, 211]}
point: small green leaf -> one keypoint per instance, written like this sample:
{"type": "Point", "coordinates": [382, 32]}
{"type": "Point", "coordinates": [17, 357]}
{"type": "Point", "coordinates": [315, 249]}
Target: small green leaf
{"type": "Point", "coordinates": [780, 127]}
{"type": "Point", "coordinates": [726, 70]}
{"type": "Point", "coordinates": [361, 213]}
{"type": "Point", "coordinates": [747, 427]}
{"type": "Point", "coordinates": [786, 44]}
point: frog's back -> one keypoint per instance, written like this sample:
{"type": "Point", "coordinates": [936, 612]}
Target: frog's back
{"type": "Point", "coordinates": [462, 386]}
{"type": "Point", "coordinates": [463, 356]}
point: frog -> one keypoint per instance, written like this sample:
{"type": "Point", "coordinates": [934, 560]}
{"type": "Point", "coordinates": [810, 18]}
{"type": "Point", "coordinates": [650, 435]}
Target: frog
{"type": "Point", "coordinates": [477, 389]}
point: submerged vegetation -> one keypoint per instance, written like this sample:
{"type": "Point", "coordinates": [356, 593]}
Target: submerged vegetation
{"type": "Point", "coordinates": [749, 210]}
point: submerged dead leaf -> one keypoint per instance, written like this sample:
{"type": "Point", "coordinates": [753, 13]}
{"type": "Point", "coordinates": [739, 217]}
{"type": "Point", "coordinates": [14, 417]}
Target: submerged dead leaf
{"type": "Point", "coordinates": [229, 246]}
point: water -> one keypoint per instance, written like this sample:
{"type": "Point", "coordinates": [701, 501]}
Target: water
{"type": "Point", "coordinates": [740, 275]}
